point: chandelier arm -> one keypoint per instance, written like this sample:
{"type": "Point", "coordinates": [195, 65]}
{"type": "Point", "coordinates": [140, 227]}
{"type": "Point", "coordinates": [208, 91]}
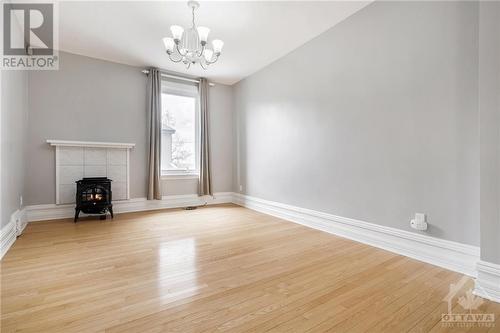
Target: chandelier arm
{"type": "Point", "coordinates": [179, 51]}
{"type": "Point", "coordinates": [215, 60]}
{"type": "Point", "coordinates": [172, 59]}
{"type": "Point", "coordinates": [201, 53]}
{"type": "Point", "coordinates": [203, 66]}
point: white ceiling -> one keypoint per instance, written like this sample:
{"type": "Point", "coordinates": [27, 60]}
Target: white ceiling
{"type": "Point", "coordinates": [255, 33]}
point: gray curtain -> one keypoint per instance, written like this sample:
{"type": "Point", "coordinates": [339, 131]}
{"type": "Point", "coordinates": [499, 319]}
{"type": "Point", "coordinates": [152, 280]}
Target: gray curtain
{"type": "Point", "coordinates": [205, 183]}
{"type": "Point", "coordinates": [154, 133]}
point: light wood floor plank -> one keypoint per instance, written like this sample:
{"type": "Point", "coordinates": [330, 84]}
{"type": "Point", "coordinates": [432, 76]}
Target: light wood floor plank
{"type": "Point", "coordinates": [215, 269]}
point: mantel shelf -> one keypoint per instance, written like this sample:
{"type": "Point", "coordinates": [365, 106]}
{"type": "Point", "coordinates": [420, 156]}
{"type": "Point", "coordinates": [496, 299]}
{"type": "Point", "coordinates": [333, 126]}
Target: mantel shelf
{"type": "Point", "coordinates": [92, 144]}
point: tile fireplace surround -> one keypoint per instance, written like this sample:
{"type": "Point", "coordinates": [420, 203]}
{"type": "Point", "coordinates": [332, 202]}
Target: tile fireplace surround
{"type": "Point", "coordinates": [78, 159]}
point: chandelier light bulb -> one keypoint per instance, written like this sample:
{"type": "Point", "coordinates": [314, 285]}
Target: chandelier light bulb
{"type": "Point", "coordinates": [203, 33]}
{"type": "Point", "coordinates": [217, 44]}
{"type": "Point", "coordinates": [169, 44]}
{"type": "Point", "coordinates": [177, 32]}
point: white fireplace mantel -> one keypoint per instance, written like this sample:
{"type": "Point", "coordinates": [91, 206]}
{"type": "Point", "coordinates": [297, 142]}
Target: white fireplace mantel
{"type": "Point", "coordinates": [75, 160]}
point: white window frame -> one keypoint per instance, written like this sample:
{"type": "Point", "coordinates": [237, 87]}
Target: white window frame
{"type": "Point", "coordinates": [174, 88]}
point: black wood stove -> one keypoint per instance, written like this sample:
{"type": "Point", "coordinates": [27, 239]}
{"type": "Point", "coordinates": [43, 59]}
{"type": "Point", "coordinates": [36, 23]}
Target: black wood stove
{"type": "Point", "coordinates": [93, 196]}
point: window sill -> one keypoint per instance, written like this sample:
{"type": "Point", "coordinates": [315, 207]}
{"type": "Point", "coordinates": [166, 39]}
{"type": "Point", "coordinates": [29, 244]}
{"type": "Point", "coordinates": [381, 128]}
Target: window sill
{"type": "Point", "coordinates": [180, 176]}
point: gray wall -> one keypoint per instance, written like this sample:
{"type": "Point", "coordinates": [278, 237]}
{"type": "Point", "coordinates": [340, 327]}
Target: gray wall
{"type": "Point", "coordinates": [489, 108]}
{"type": "Point", "coordinates": [14, 111]}
{"type": "Point", "coordinates": [96, 100]}
{"type": "Point", "coordinates": [375, 119]}
{"type": "Point", "coordinates": [14, 118]}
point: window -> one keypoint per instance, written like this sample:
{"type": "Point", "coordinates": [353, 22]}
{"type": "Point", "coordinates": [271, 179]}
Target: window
{"type": "Point", "coordinates": [180, 129]}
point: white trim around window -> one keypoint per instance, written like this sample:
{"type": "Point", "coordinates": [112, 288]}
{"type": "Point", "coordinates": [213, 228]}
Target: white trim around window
{"type": "Point", "coordinates": [186, 90]}
{"type": "Point", "coordinates": [179, 176]}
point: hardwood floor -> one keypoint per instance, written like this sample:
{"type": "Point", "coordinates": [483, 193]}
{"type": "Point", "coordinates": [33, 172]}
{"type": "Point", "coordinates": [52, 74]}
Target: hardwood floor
{"type": "Point", "coordinates": [216, 269]}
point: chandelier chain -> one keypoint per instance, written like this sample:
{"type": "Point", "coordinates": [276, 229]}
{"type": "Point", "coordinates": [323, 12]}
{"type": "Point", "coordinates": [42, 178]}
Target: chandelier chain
{"type": "Point", "coordinates": [192, 13]}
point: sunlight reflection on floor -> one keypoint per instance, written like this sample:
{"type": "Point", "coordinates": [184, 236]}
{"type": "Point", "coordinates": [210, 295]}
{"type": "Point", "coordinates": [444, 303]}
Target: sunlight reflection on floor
{"type": "Point", "coordinates": [177, 272]}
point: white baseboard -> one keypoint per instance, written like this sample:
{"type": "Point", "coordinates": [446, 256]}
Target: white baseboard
{"type": "Point", "coordinates": [488, 281]}
{"type": "Point", "coordinates": [52, 211]}
{"type": "Point", "coordinates": [9, 232]}
{"type": "Point", "coordinates": [454, 256]}
{"type": "Point", "coordinates": [7, 238]}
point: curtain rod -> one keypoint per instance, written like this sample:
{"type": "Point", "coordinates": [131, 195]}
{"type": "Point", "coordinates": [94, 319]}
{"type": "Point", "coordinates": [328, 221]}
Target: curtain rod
{"type": "Point", "coordinates": [177, 77]}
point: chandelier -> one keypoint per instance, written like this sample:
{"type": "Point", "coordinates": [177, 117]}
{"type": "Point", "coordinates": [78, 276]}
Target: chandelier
{"type": "Point", "coordinates": [190, 46]}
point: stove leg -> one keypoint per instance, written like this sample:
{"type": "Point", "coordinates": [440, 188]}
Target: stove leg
{"type": "Point", "coordinates": [111, 211]}
{"type": "Point", "coordinates": [77, 212]}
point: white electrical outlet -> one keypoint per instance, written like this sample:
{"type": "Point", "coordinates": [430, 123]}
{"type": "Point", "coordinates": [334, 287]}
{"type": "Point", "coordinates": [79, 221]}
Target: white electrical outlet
{"type": "Point", "coordinates": [241, 188]}
{"type": "Point", "coordinates": [419, 222]}
{"type": "Point", "coordinates": [20, 201]}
